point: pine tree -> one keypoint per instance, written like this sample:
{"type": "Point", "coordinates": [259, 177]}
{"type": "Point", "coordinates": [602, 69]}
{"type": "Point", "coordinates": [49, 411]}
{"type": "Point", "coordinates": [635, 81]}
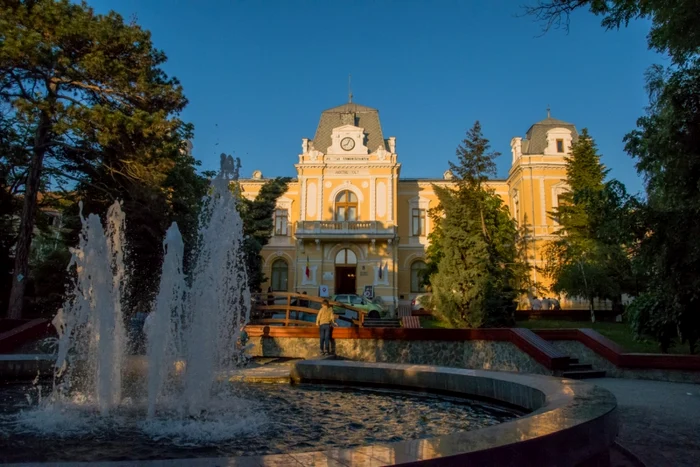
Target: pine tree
{"type": "Point", "coordinates": [82, 82]}
{"type": "Point", "coordinates": [474, 246]}
{"type": "Point", "coordinates": [585, 260]}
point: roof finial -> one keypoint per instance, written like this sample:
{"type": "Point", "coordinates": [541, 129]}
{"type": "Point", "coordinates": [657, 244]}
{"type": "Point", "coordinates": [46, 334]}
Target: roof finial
{"type": "Point", "coordinates": [548, 116]}
{"type": "Point", "coordinates": [350, 89]}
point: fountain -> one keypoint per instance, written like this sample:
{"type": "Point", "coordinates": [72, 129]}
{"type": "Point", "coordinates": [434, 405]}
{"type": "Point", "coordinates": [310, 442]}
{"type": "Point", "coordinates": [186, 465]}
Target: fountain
{"type": "Point", "coordinates": [194, 325]}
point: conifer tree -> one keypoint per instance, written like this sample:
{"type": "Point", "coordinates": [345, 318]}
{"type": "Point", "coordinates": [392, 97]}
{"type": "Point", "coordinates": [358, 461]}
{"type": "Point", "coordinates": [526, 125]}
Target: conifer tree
{"type": "Point", "coordinates": [81, 82]}
{"type": "Point", "coordinates": [585, 259]}
{"type": "Point", "coordinates": [475, 248]}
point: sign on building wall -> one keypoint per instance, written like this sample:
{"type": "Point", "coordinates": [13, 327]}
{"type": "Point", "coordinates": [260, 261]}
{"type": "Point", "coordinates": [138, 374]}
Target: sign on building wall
{"type": "Point", "coordinates": [369, 291]}
{"type": "Point", "coordinates": [323, 291]}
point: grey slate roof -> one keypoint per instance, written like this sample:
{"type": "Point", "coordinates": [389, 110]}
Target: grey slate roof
{"type": "Point", "coordinates": [350, 114]}
{"type": "Point", "coordinates": [535, 140]}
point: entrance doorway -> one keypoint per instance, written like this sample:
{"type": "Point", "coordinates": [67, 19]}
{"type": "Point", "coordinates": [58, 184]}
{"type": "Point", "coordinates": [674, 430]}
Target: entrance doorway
{"type": "Point", "coordinates": [345, 280]}
{"type": "Point", "coordinates": [345, 272]}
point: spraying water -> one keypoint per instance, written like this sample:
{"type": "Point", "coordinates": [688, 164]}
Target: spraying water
{"type": "Point", "coordinates": [192, 331]}
{"type": "Point", "coordinates": [91, 320]}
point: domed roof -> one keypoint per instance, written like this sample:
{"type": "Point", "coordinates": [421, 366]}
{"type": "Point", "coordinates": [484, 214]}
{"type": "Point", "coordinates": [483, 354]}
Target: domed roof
{"type": "Point", "coordinates": [535, 140]}
{"type": "Point", "coordinates": [350, 114]}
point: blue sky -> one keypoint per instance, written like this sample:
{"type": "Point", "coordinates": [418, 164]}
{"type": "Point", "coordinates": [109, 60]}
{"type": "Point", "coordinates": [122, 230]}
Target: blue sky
{"type": "Point", "coordinates": [258, 74]}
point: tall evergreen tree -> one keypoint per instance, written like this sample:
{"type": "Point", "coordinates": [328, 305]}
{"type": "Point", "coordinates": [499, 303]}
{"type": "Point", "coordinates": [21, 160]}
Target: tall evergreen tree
{"type": "Point", "coordinates": [588, 259]}
{"type": "Point", "coordinates": [475, 247]}
{"type": "Point", "coordinates": [665, 145]}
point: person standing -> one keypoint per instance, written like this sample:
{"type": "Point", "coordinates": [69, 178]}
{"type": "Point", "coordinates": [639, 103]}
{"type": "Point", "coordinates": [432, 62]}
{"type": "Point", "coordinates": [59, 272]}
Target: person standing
{"type": "Point", "coordinates": [324, 320]}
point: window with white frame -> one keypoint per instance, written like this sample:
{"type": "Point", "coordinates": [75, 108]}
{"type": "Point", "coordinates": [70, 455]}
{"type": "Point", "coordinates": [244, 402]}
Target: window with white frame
{"type": "Point", "coordinates": [417, 222]}
{"type": "Point", "coordinates": [281, 222]}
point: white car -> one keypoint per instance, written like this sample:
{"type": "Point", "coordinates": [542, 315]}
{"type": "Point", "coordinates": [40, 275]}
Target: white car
{"type": "Point", "coordinates": [421, 303]}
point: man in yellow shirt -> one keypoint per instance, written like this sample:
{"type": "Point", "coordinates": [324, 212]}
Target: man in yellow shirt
{"type": "Point", "coordinates": [325, 319]}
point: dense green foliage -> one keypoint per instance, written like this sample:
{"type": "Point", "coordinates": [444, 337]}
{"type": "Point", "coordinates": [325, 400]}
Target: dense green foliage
{"type": "Point", "coordinates": [666, 145]}
{"type": "Point", "coordinates": [87, 105]}
{"type": "Point", "coordinates": [258, 225]}
{"type": "Point", "coordinates": [474, 251]}
{"type": "Point", "coordinates": [589, 258]}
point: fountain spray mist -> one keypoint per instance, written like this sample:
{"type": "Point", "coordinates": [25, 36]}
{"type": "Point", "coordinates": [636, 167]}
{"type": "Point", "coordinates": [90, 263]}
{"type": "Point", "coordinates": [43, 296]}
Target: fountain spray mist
{"type": "Point", "coordinates": [91, 318]}
{"type": "Point", "coordinates": [196, 327]}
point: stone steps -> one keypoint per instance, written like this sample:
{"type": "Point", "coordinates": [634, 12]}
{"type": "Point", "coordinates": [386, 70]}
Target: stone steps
{"type": "Point", "coordinates": [382, 323]}
{"type": "Point", "coordinates": [583, 374]}
{"type": "Point", "coordinates": [580, 366]}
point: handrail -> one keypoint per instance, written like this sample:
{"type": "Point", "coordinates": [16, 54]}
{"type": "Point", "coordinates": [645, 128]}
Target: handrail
{"type": "Point", "coordinates": [288, 307]}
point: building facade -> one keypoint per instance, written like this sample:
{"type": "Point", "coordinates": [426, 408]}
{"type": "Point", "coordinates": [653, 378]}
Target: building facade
{"type": "Point", "coordinates": [349, 221]}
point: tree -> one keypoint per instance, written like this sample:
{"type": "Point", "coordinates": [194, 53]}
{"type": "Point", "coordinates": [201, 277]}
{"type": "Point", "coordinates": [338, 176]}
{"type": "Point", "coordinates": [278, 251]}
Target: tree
{"type": "Point", "coordinates": [258, 218]}
{"type": "Point", "coordinates": [666, 148]}
{"type": "Point", "coordinates": [588, 258]}
{"type": "Point", "coordinates": [80, 82]}
{"type": "Point", "coordinates": [474, 244]}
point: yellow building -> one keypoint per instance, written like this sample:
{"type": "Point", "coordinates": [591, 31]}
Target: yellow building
{"type": "Point", "coordinates": [349, 220]}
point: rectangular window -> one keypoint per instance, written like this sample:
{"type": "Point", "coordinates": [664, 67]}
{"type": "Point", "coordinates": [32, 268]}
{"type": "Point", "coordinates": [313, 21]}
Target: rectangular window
{"type": "Point", "coordinates": [418, 222]}
{"type": "Point", "coordinates": [281, 229]}
{"type": "Point", "coordinates": [560, 145]}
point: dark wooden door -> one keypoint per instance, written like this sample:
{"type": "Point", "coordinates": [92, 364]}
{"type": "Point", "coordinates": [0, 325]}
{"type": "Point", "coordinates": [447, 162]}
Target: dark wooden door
{"type": "Point", "coordinates": [345, 280]}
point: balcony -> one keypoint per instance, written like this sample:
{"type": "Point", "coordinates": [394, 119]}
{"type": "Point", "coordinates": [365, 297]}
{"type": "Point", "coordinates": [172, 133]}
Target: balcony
{"type": "Point", "coordinates": [344, 229]}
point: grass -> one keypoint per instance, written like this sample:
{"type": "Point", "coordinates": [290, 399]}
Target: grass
{"type": "Point", "coordinates": [619, 333]}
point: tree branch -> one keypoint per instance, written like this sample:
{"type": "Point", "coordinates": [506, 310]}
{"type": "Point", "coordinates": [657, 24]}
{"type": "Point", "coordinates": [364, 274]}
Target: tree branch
{"type": "Point", "coordinates": [553, 12]}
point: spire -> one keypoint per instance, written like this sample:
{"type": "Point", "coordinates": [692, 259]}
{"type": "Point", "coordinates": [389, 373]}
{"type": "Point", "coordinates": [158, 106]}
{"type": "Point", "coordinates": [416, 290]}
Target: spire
{"type": "Point", "coordinates": [548, 109]}
{"type": "Point", "coordinates": [349, 89]}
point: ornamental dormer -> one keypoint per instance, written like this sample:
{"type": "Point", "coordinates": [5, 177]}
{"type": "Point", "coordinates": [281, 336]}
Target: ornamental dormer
{"type": "Point", "coordinates": [348, 140]}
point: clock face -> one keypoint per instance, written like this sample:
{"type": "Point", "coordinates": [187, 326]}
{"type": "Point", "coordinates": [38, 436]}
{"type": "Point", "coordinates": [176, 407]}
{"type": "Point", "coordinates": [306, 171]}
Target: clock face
{"type": "Point", "coordinates": [347, 143]}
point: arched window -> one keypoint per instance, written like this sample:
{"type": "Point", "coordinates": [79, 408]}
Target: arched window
{"type": "Point", "coordinates": [416, 277]}
{"type": "Point", "coordinates": [346, 206]}
{"type": "Point", "coordinates": [346, 256]}
{"type": "Point", "coordinates": [280, 271]}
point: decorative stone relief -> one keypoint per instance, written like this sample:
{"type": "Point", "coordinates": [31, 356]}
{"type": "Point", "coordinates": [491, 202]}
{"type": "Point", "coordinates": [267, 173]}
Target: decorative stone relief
{"type": "Point", "coordinates": [382, 153]}
{"type": "Point", "coordinates": [392, 144]}
{"type": "Point", "coordinates": [328, 184]}
{"type": "Point", "coordinates": [365, 184]}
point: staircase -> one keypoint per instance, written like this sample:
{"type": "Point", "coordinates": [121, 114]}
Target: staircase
{"type": "Point", "coordinates": [382, 323]}
{"type": "Point", "coordinates": [578, 370]}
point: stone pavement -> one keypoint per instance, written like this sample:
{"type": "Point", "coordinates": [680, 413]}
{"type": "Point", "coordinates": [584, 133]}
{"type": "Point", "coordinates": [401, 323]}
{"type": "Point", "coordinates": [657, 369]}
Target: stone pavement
{"type": "Point", "coordinates": [659, 421]}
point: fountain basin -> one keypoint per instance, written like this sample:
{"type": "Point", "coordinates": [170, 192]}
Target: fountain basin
{"type": "Point", "coordinates": [571, 423]}
{"type": "Point", "coordinates": [250, 420]}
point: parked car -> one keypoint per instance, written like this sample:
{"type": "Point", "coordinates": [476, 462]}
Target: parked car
{"type": "Point", "coordinates": [358, 301]}
{"type": "Point", "coordinates": [421, 303]}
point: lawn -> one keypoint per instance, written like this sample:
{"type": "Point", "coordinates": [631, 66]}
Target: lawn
{"type": "Point", "coordinates": [616, 332]}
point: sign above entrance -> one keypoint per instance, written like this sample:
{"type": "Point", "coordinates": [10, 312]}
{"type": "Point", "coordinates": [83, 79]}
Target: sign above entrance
{"type": "Point", "coordinates": [345, 172]}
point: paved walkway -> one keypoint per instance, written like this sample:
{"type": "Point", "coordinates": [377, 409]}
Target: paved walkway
{"type": "Point", "coordinates": [659, 422]}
